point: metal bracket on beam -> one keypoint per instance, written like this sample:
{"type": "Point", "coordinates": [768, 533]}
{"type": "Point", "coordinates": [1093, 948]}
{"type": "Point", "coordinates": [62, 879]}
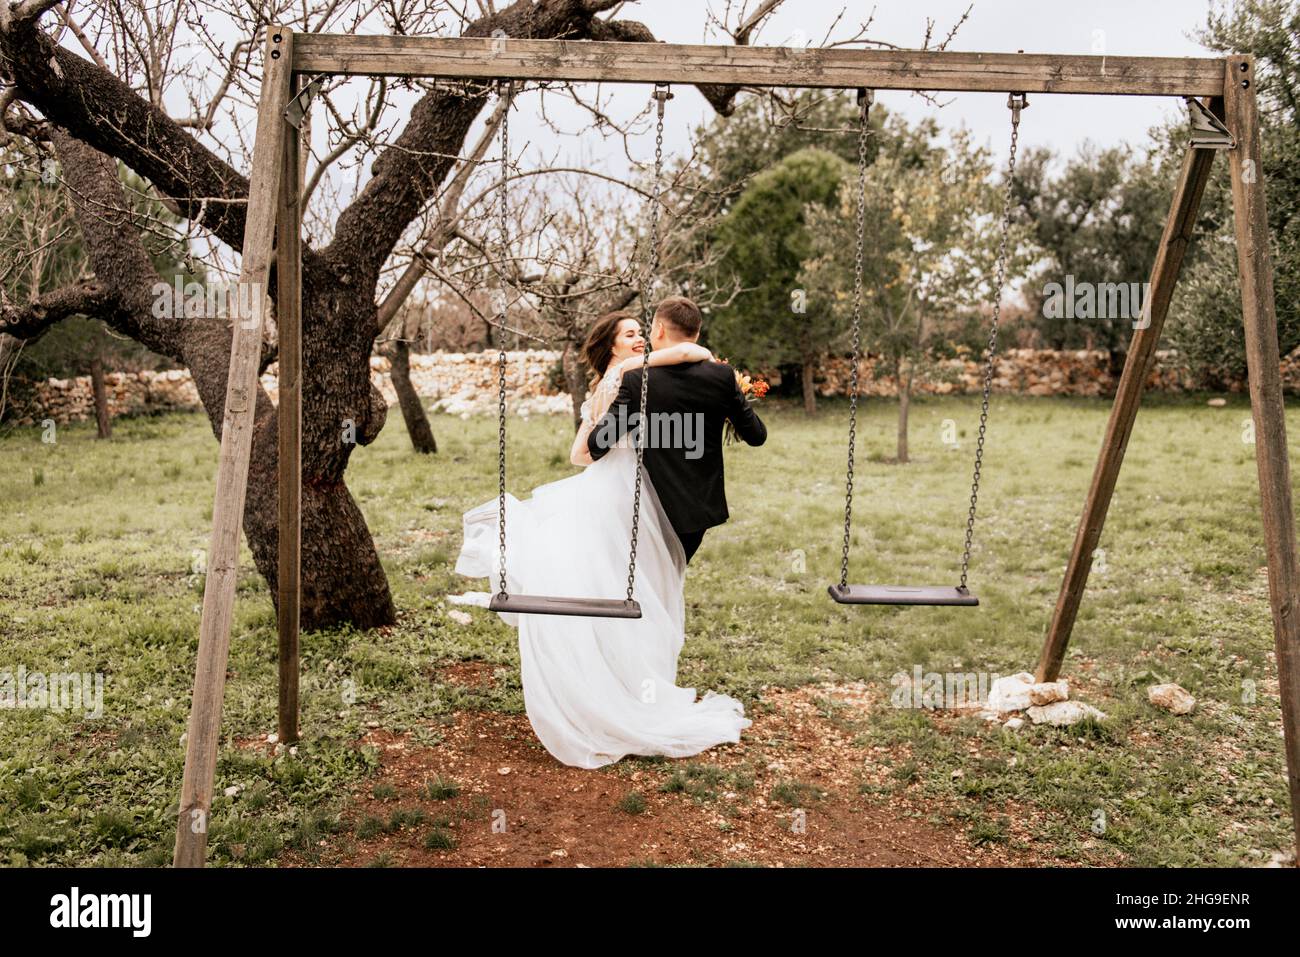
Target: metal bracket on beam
{"type": "Point", "coordinates": [300, 104]}
{"type": "Point", "coordinates": [1208, 131]}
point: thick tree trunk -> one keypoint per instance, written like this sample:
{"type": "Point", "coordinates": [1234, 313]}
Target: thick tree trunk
{"type": "Point", "coordinates": [904, 381]}
{"type": "Point", "coordinates": [93, 114]}
{"type": "Point", "coordinates": [10, 348]}
{"type": "Point", "coordinates": [342, 579]}
{"type": "Point", "coordinates": [103, 421]}
{"type": "Point", "coordinates": [408, 400]}
{"type": "Point", "coordinates": [809, 391]}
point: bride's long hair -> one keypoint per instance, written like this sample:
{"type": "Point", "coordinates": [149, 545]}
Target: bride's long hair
{"type": "Point", "coordinates": [598, 350]}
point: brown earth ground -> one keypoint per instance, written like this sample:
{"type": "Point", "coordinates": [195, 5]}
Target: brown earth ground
{"type": "Point", "coordinates": [790, 793]}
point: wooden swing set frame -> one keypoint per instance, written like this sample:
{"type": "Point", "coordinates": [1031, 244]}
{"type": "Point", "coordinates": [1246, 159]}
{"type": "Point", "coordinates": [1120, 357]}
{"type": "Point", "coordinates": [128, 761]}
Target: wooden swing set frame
{"type": "Point", "coordinates": [1225, 85]}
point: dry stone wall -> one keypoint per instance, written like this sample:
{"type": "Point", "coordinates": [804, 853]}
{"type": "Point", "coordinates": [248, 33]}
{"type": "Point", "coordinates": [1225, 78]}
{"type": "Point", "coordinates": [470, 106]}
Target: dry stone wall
{"type": "Point", "coordinates": [465, 383]}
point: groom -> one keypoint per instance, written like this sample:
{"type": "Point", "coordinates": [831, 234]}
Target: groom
{"type": "Point", "coordinates": [688, 481]}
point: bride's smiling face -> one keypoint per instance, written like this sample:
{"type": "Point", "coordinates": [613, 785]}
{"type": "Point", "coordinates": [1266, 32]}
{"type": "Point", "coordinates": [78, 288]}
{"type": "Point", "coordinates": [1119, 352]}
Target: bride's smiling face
{"type": "Point", "coordinates": [628, 340]}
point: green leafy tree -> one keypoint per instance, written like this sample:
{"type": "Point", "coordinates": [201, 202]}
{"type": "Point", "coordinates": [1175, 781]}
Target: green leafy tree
{"type": "Point", "coordinates": [931, 246]}
{"type": "Point", "coordinates": [764, 130]}
{"type": "Point", "coordinates": [1098, 222]}
{"type": "Point", "coordinates": [766, 239]}
{"type": "Point", "coordinates": [1205, 322]}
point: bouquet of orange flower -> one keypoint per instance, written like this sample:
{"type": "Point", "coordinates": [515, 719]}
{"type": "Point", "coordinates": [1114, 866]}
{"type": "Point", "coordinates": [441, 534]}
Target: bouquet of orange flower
{"type": "Point", "coordinates": [752, 388]}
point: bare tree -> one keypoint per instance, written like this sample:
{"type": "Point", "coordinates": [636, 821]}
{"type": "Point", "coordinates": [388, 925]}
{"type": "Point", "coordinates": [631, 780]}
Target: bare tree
{"type": "Point", "coordinates": [577, 250]}
{"type": "Point", "coordinates": [119, 100]}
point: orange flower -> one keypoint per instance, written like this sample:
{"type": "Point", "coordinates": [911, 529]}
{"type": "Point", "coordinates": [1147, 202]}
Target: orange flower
{"type": "Point", "coordinates": [749, 386]}
{"type": "Point", "coordinates": [751, 389]}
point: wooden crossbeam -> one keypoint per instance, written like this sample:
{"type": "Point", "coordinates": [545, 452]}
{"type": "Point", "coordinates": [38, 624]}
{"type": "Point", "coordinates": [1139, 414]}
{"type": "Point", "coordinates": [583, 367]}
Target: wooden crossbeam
{"type": "Point", "coordinates": [614, 62]}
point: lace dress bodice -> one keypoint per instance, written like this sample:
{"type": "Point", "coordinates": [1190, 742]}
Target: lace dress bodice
{"type": "Point", "coordinates": [602, 396]}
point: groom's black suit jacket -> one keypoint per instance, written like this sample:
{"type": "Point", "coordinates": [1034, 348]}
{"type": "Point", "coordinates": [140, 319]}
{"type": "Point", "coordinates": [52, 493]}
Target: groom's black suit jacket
{"type": "Point", "coordinates": [691, 490]}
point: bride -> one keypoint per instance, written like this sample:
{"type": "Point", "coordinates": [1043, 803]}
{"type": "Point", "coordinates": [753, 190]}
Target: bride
{"type": "Point", "coordinates": [598, 689]}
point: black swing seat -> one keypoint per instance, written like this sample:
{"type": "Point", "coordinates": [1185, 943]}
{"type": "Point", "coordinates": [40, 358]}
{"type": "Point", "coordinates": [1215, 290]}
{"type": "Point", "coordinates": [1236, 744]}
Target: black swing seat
{"type": "Point", "coordinates": [581, 607]}
{"type": "Point", "coordinates": [901, 595]}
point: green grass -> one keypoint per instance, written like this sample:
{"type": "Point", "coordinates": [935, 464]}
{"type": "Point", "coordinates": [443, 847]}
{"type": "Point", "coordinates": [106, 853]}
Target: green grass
{"type": "Point", "coordinates": [632, 803]}
{"type": "Point", "coordinates": [441, 789]}
{"type": "Point", "coordinates": [440, 839]}
{"type": "Point", "coordinates": [795, 793]}
{"type": "Point", "coordinates": [99, 574]}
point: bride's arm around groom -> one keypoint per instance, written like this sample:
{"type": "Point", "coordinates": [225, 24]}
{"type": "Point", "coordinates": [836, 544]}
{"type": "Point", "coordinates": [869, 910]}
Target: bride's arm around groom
{"type": "Point", "coordinates": [607, 390]}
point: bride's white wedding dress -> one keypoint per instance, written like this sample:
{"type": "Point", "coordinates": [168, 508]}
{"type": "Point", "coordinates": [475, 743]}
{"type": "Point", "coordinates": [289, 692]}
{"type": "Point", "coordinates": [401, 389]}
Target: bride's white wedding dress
{"type": "Point", "coordinates": [598, 689]}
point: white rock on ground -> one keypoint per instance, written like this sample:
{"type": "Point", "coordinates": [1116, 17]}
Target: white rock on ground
{"type": "Point", "coordinates": [1173, 698]}
{"type": "Point", "coordinates": [1011, 692]}
{"type": "Point", "coordinates": [1018, 692]}
{"type": "Point", "coordinates": [1063, 713]}
{"type": "Point", "coordinates": [1048, 691]}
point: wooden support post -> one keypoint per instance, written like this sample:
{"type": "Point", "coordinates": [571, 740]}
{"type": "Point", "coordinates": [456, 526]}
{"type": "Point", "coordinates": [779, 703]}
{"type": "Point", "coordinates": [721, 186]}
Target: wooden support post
{"type": "Point", "coordinates": [1263, 366]}
{"type": "Point", "coordinates": [288, 314]}
{"type": "Point", "coordinates": [1137, 366]}
{"type": "Point", "coordinates": [232, 468]}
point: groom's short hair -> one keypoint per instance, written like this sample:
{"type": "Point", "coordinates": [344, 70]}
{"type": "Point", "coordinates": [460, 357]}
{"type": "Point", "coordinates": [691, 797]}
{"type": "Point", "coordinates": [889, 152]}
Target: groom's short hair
{"type": "Point", "coordinates": [681, 316]}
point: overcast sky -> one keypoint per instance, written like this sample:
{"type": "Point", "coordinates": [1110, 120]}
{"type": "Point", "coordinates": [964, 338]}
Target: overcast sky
{"type": "Point", "coordinates": [1063, 122]}
{"type": "Point", "coordinates": [1115, 27]}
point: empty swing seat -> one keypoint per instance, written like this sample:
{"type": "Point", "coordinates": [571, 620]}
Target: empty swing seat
{"type": "Point", "coordinates": [582, 607]}
{"type": "Point", "coordinates": [901, 595]}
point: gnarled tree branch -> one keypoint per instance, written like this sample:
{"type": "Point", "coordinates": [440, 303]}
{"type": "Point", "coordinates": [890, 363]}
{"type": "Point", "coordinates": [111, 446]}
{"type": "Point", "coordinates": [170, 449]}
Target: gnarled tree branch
{"type": "Point", "coordinates": [99, 109]}
{"type": "Point", "coordinates": [30, 320]}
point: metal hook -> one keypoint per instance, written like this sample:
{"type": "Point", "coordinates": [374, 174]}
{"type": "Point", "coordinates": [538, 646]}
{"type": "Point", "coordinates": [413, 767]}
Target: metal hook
{"type": "Point", "coordinates": [1017, 102]}
{"type": "Point", "coordinates": [866, 100]}
{"type": "Point", "coordinates": [662, 94]}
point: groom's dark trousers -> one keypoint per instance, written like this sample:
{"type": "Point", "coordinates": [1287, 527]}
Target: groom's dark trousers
{"type": "Point", "coordinates": [688, 404]}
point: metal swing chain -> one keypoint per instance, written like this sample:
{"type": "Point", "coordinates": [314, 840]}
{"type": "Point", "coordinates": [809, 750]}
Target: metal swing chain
{"type": "Point", "coordinates": [661, 95]}
{"type": "Point", "coordinates": [865, 98]}
{"type": "Point", "coordinates": [1016, 102]}
{"type": "Point", "coordinates": [504, 91]}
